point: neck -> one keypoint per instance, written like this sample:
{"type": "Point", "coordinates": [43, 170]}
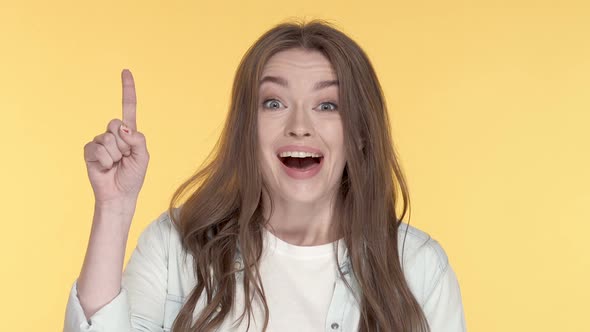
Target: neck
{"type": "Point", "coordinates": [301, 223]}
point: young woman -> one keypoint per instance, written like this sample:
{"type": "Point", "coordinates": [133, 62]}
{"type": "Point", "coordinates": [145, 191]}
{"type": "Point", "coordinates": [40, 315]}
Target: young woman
{"type": "Point", "coordinates": [291, 226]}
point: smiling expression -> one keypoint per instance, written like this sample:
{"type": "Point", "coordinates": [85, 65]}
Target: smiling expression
{"type": "Point", "coordinates": [299, 127]}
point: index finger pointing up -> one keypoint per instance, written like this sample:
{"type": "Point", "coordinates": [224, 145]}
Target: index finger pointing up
{"type": "Point", "coordinates": [129, 99]}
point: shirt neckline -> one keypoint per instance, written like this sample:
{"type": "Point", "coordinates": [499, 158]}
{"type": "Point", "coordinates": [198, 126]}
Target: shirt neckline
{"type": "Point", "coordinates": [275, 244]}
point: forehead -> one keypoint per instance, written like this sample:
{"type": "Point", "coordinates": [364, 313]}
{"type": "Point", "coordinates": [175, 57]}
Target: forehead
{"type": "Point", "coordinates": [299, 62]}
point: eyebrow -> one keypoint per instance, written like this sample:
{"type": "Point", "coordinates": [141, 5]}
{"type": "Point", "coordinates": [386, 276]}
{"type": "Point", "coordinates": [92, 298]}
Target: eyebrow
{"type": "Point", "coordinates": [284, 83]}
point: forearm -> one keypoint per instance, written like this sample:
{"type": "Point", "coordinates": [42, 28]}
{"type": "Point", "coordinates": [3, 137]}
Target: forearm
{"type": "Point", "coordinates": [100, 278]}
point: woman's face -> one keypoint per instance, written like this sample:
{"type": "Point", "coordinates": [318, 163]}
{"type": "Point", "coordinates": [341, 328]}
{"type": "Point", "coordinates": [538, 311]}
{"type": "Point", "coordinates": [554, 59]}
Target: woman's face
{"type": "Point", "coordinates": [299, 127]}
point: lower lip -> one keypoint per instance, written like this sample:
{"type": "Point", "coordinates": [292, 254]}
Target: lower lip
{"type": "Point", "coordinates": [303, 174]}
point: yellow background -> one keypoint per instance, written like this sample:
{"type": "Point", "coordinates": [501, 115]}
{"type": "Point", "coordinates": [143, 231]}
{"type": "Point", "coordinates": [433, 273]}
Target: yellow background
{"type": "Point", "coordinates": [490, 106]}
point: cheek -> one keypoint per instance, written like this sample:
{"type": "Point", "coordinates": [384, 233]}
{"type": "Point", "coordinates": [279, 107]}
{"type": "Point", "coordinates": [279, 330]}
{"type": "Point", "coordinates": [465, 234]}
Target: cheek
{"type": "Point", "coordinates": [334, 137]}
{"type": "Point", "coordinates": [263, 132]}
{"type": "Point", "coordinates": [268, 131]}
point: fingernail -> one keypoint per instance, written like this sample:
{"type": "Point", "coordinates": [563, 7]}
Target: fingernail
{"type": "Point", "coordinates": [125, 129]}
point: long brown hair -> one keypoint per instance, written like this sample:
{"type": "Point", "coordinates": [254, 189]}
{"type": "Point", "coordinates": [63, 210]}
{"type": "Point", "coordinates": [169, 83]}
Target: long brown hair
{"type": "Point", "coordinates": [222, 214]}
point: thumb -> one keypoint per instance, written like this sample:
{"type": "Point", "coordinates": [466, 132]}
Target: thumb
{"type": "Point", "coordinates": [134, 139]}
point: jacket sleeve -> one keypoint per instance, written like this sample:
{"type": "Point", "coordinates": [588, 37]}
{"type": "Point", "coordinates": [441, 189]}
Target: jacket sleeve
{"type": "Point", "coordinates": [443, 306]}
{"type": "Point", "coordinates": [139, 307]}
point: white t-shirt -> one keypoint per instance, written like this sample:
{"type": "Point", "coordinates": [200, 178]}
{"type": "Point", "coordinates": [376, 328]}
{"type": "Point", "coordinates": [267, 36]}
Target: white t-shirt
{"type": "Point", "coordinates": [298, 282]}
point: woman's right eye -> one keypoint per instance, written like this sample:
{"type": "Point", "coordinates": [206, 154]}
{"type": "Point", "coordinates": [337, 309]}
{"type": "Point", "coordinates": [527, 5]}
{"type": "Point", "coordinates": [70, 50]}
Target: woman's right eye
{"type": "Point", "coordinates": [271, 104]}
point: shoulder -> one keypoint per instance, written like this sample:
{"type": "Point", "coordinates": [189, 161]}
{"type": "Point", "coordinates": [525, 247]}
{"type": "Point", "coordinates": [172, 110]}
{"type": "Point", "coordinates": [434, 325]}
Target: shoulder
{"type": "Point", "coordinates": [159, 232]}
{"type": "Point", "coordinates": [424, 261]}
{"type": "Point", "coordinates": [414, 243]}
{"type": "Point", "coordinates": [161, 226]}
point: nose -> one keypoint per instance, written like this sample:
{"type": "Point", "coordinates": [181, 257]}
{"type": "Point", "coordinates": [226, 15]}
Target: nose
{"type": "Point", "coordinates": [299, 124]}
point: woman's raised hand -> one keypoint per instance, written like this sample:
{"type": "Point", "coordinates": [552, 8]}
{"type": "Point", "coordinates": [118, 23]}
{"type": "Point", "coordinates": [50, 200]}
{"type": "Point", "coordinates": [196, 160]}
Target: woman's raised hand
{"type": "Point", "coordinates": [117, 159]}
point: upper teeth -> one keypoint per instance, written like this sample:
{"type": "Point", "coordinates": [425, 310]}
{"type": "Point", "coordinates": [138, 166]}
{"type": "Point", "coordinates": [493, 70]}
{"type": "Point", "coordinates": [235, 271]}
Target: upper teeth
{"type": "Point", "coordinates": [299, 154]}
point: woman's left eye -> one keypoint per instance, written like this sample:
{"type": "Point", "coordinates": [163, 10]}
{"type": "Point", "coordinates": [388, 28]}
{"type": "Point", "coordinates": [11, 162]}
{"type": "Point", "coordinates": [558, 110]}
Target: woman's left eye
{"type": "Point", "coordinates": [331, 107]}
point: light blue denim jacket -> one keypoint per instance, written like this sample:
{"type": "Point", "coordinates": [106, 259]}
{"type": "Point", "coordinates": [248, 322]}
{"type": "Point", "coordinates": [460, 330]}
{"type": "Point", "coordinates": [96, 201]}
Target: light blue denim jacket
{"type": "Point", "coordinates": [156, 282]}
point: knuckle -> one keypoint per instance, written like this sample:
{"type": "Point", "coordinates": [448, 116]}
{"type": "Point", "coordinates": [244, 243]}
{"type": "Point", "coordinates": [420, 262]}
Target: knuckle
{"type": "Point", "coordinates": [90, 147]}
{"type": "Point", "coordinates": [109, 138]}
{"type": "Point", "coordinates": [102, 156]}
{"type": "Point", "coordinates": [87, 151]}
{"type": "Point", "coordinates": [113, 125]}
{"type": "Point", "coordinates": [101, 150]}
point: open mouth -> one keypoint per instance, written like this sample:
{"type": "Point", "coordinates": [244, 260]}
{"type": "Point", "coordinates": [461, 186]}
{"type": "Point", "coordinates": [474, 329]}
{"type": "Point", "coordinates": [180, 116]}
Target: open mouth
{"type": "Point", "coordinates": [301, 163]}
